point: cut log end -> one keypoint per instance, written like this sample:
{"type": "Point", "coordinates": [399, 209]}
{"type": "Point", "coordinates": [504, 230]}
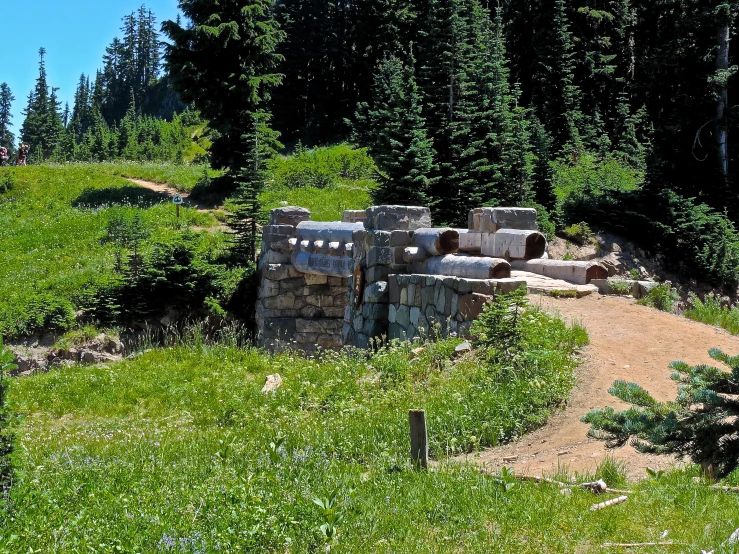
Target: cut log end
{"type": "Point", "coordinates": [448, 242]}
{"type": "Point", "coordinates": [500, 269]}
{"type": "Point", "coordinates": [595, 271]}
{"type": "Point", "coordinates": [536, 245]}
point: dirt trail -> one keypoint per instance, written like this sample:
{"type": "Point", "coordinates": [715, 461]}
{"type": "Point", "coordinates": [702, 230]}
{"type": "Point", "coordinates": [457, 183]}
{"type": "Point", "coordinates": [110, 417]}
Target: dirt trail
{"type": "Point", "coordinates": [169, 190]}
{"type": "Point", "coordinates": [629, 342]}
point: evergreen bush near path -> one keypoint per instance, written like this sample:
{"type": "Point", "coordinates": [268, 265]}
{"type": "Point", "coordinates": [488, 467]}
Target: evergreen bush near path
{"type": "Point", "coordinates": [702, 423]}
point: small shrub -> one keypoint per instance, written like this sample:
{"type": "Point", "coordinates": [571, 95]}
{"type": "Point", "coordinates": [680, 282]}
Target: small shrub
{"type": "Point", "coordinates": [579, 233]}
{"type": "Point", "coordinates": [662, 297]}
{"type": "Point", "coordinates": [498, 330]}
{"type": "Point", "coordinates": [700, 423]}
{"type": "Point", "coordinates": [6, 436]}
{"type": "Point", "coordinates": [711, 311]}
{"type": "Point", "coordinates": [7, 183]}
{"type": "Point", "coordinates": [617, 286]}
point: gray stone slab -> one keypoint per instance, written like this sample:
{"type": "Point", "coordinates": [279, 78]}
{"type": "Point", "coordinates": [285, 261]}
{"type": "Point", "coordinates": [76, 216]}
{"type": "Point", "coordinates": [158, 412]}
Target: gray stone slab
{"type": "Point", "coordinates": [377, 292]}
{"type": "Point", "coordinates": [289, 215]}
{"type": "Point", "coordinates": [401, 238]}
{"type": "Point", "coordinates": [380, 255]}
{"type": "Point", "coordinates": [398, 218]}
{"type": "Point", "coordinates": [403, 316]}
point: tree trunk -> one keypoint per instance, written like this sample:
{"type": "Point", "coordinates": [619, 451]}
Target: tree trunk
{"type": "Point", "coordinates": [722, 65]}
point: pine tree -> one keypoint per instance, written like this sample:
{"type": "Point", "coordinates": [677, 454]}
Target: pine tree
{"type": "Point", "coordinates": [555, 94]}
{"type": "Point", "coordinates": [42, 125]}
{"type": "Point", "coordinates": [260, 145]}
{"type": "Point", "coordinates": [497, 161]}
{"type": "Point", "coordinates": [702, 423]}
{"type": "Point", "coordinates": [6, 103]}
{"type": "Point", "coordinates": [447, 54]}
{"type": "Point", "coordinates": [394, 131]}
{"type": "Point", "coordinates": [243, 36]}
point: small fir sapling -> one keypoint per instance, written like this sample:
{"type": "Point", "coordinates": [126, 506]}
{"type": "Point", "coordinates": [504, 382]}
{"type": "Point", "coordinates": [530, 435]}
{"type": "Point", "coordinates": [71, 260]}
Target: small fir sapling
{"type": "Point", "coordinates": [702, 423]}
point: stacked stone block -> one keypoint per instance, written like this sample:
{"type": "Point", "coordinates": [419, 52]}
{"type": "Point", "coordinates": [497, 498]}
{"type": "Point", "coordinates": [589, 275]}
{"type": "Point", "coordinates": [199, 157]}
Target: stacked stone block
{"type": "Point", "coordinates": [296, 309]}
{"type": "Point", "coordinates": [378, 253]}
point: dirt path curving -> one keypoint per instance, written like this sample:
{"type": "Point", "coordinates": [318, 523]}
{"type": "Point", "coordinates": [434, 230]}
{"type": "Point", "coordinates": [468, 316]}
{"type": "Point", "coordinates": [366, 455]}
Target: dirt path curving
{"type": "Point", "coordinates": [170, 191]}
{"type": "Point", "coordinates": [627, 341]}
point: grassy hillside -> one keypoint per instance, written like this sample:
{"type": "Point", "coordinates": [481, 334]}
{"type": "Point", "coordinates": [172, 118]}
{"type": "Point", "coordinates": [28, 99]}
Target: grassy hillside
{"type": "Point", "coordinates": [326, 180]}
{"type": "Point", "coordinates": [177, 450]}
{"type": "Point", "coordinates": [53, 223]}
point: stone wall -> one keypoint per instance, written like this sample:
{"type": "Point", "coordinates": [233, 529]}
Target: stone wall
{"type": "Point", "coordinates": [385, 272]}
{"type": "Point", "coordinates": [296, 309]}
{"type": "Point", "coordinates": [431, 305]}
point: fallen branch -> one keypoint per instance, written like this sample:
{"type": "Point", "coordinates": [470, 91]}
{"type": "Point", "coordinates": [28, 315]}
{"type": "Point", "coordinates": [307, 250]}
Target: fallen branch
{"type": "Point", "coordinates": [725, 489]}
{"type": "Point", "coordinates": [534, 478]}
{"type": "Point", "coordinates": [607, 503]}
{"type": "Point", "coordinates": [634, 544]}
{"type": "Point", "coordinates": [619, 491]}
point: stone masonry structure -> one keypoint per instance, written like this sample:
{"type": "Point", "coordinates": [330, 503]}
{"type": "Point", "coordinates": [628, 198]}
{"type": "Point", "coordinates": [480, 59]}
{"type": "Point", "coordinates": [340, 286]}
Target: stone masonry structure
{"type": "Point", "coordinates": [386, 272]}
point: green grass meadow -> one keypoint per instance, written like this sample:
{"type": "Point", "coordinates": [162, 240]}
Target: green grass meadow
{"type": "Point", "coordinates": [178, 450]}
{"type": "Point", "coordinates": [52, 225]}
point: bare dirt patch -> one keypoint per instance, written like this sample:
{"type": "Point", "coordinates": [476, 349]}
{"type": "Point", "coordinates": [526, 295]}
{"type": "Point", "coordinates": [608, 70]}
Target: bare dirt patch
{"type": "Point", "coordinates": [629, 342]}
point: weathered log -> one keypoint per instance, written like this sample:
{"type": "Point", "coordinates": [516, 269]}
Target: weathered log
{"type": "Point", "coordinates": [470, 267]}
{"type": "Point", "coordinates": [415, 254]}
{"type": "Point", "coordinates": [437, 242]}
{"type": "Point", "coordinates": [470, 242]}
{"type": "Point", "coordinates": [322, 264]}
{"type": "Point", "coordinates": [514, 244]}
{"type": "Point", "coordinates": [608, 503]}
{"type": "Point", "coordinates": [333, 231]}
{"type": "Point", "coordinates": [580, 273]}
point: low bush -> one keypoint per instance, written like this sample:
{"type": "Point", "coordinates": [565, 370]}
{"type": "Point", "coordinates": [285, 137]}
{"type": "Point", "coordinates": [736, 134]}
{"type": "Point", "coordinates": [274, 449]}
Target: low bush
{"type": "Point", "coordinates": [617, 286]}
{"type": "Point", "coordinates": [701, 423]}
{"type": "Point", "coordinates": [580, 233]}
{"type": "Point", "coordinates": [710, 310]}
{"type": "Point", "coordinates": [321, 167]}
{"type": "Point", "coordinates": [662, 297]}
{"type": "Point", "coordinates": [6, 434]}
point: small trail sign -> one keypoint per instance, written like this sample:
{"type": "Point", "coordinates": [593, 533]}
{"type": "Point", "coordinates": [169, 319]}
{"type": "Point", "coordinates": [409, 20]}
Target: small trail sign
{"type": "Point", "coordinates": [177, 199]}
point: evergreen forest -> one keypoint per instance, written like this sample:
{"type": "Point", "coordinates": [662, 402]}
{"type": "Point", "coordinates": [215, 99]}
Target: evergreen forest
{"type": "Point", "coordinates": [611, 112]}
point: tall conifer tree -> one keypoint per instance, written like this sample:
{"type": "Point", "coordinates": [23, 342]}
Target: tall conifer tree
{"type": "Point", "coordinates": [242, 36]}
{"type": "Point", "coordinates": [395, 132]}
{"type": "Point", "coordinates": [6, 103]}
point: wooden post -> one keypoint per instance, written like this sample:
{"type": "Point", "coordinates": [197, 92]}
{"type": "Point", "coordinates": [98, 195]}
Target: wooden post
{"type": "Point", "coordinates": [178, 211]}
{"type": "Point", "coordinates": [419, 438]}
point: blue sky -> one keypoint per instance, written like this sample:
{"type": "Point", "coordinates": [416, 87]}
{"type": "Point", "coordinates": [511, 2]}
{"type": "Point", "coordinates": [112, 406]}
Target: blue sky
{"type": "Point", "coordinates": [74, 33]}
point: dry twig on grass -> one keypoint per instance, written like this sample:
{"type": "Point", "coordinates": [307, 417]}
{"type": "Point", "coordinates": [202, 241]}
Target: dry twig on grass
{"type": "Point", "coordinates": [635, 544]}
{"type": "Point", "coordinates": [608, 503]}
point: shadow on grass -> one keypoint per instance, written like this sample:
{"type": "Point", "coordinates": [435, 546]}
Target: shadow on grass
{"type": "Point", "coordinates": [119, 196]}
{"type": "Point", "coordinates": [212, 193]}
